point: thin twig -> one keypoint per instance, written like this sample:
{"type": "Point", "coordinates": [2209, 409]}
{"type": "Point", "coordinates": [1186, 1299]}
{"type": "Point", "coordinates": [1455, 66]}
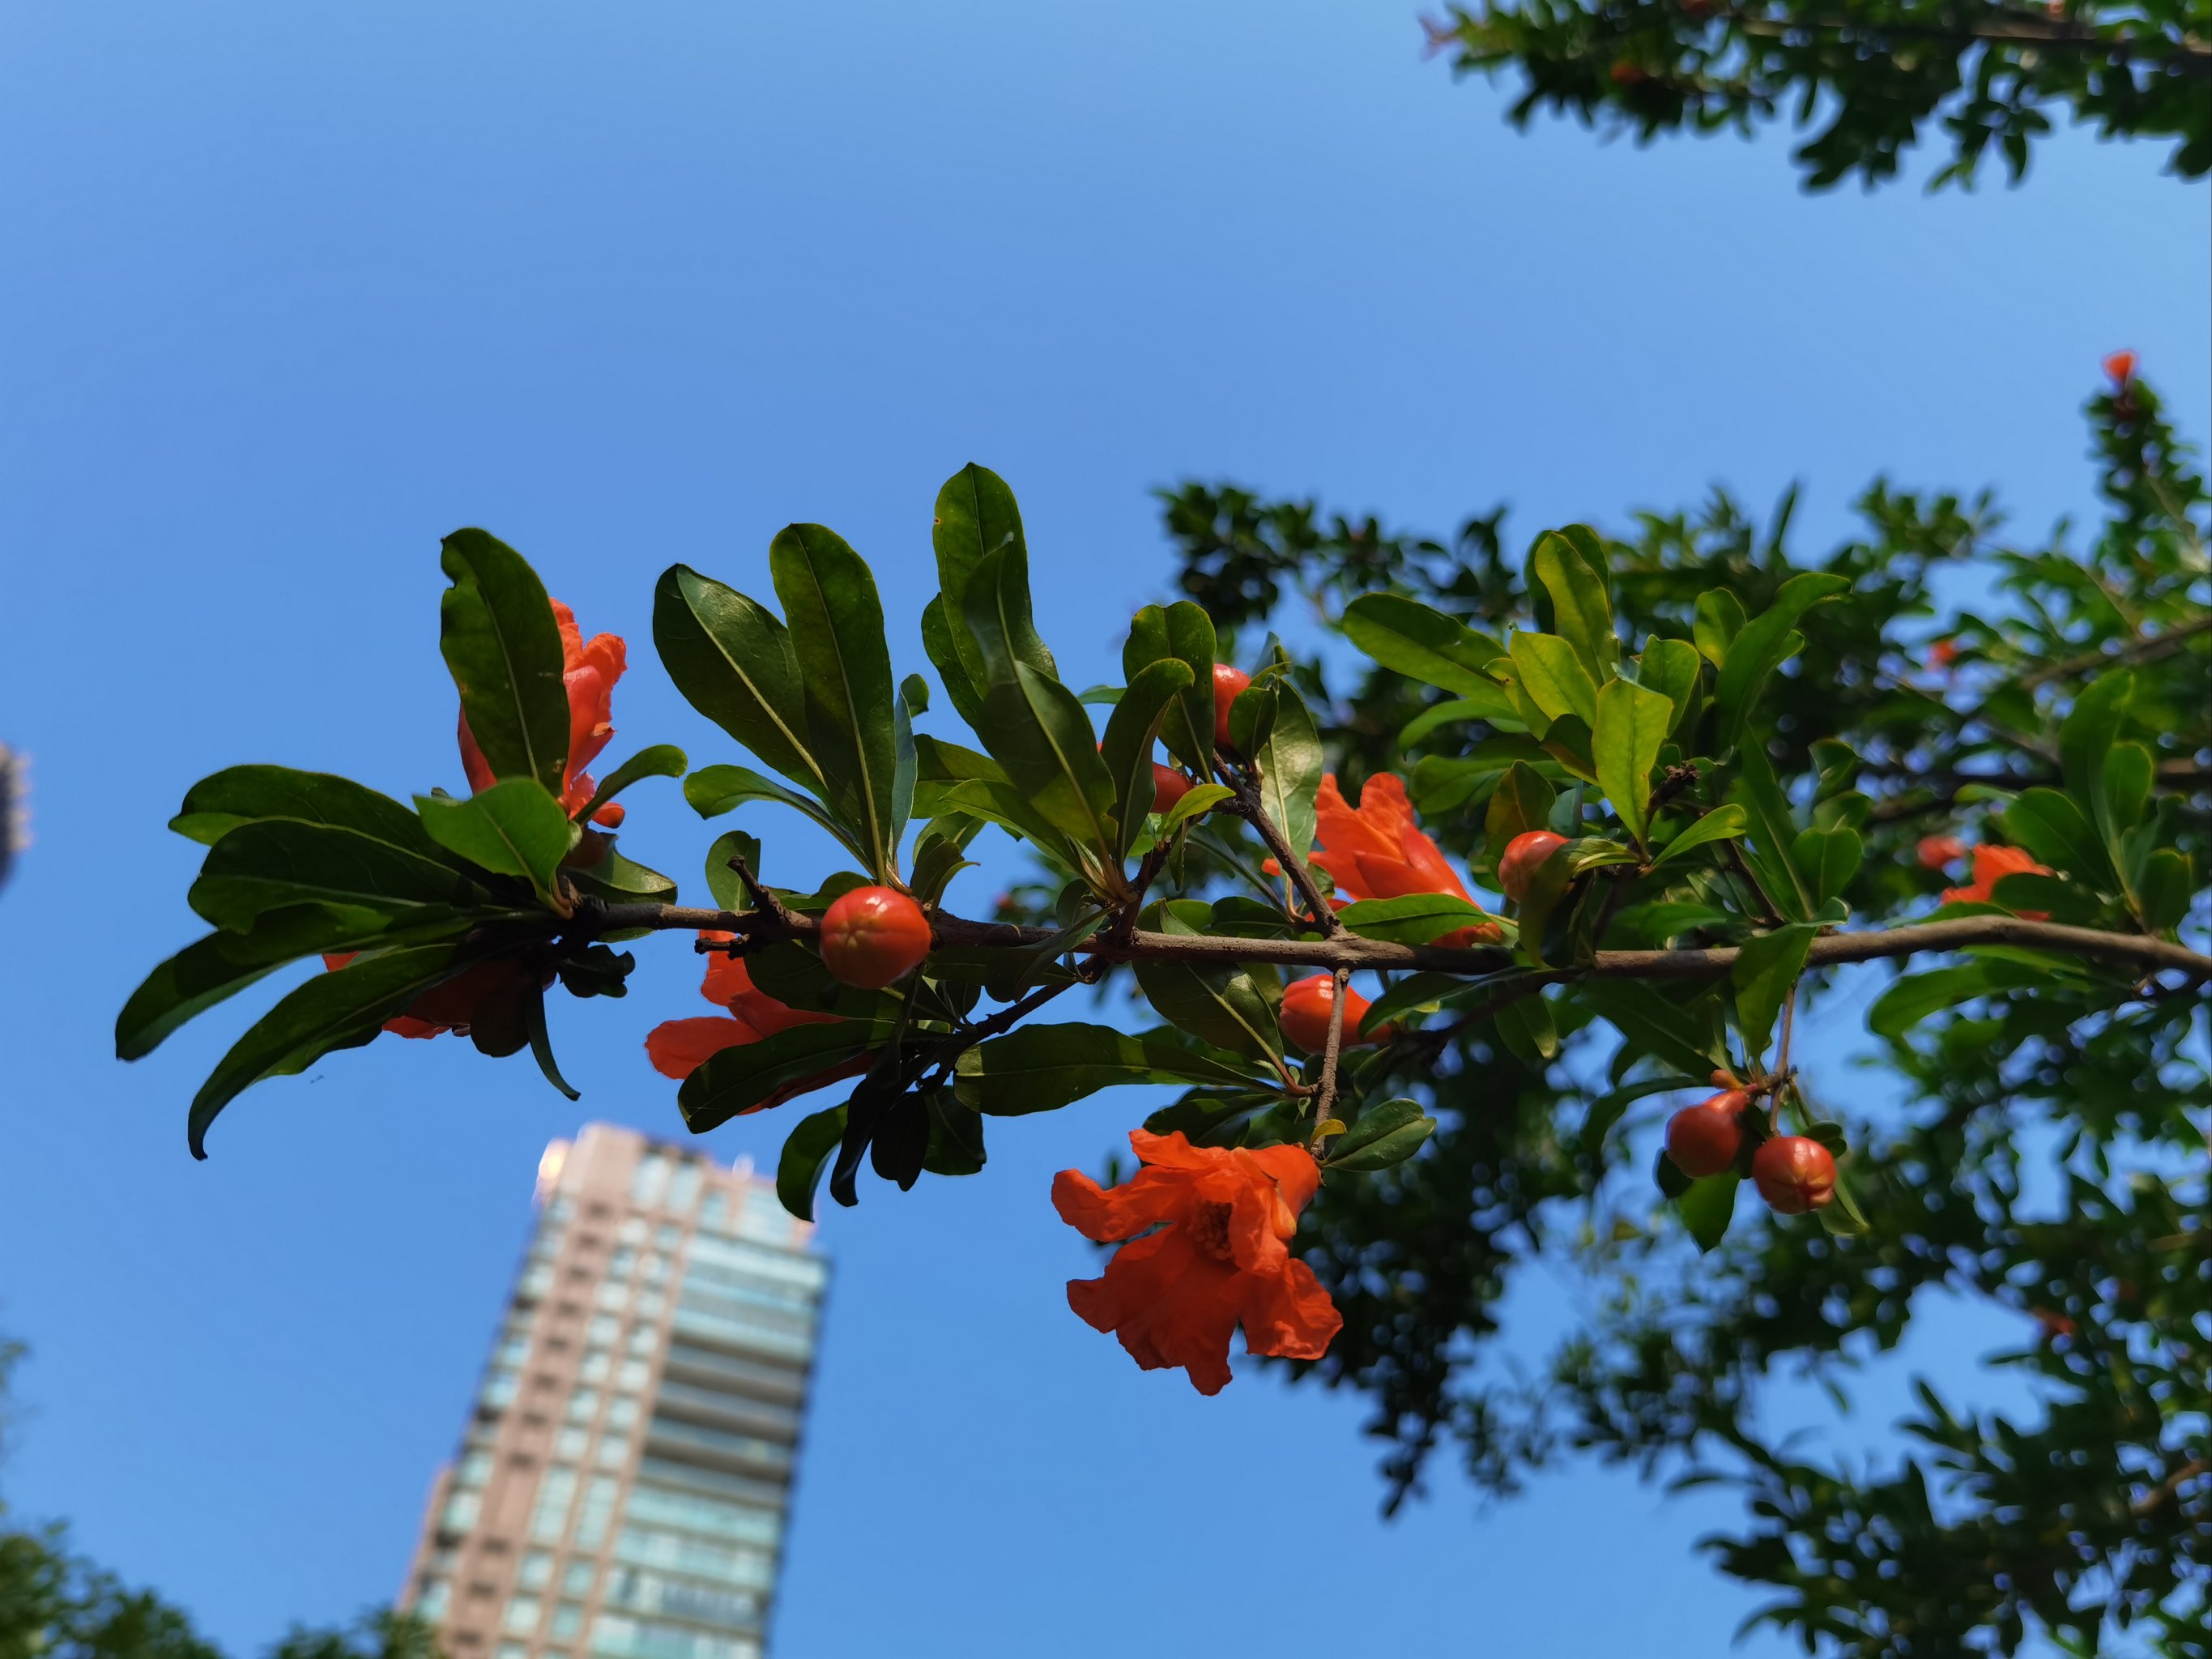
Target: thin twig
{"type": "Point", "coordinates": [1325, 1096]}
{"type": "Point", "coordinates": [1249, 807]}
{"type": "Point", "coordinates": [2149, 650]}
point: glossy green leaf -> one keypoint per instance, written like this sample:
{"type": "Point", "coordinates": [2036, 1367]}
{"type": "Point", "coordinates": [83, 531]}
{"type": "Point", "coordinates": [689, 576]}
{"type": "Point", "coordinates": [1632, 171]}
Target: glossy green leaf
{"type": "Point", "coordinates": [513, 828]}
{"type": "Point", "coordinates": [1772, 832]}
{"type": "Point", "coordinates": [714, 790]}
{"type": "Point", "coordinates": [733, 661]}
{"type": "Point", "coordinates": [1037, 1068]}
{"type": "Point", "coordinates": [1632, 722]}
{"type": "Point", "coordinates": [331, 1011]}
{"type": "Point", "coordinates": [541, 1044]}
{"type": "Point", "coordinates": [1826, 860]}
{"type": "Point", "coordinates": [728, 892]}
{"type": "Point", "coordinates": [1183, 632]}
{"type": "Point", "coordinates": [1131, 731]}
{"type": "Point", "coordinates": [619, 880]}
{"type": "Point", "coordinates": [1527, 1028]}
{"type": "Point", "coordinates": [219, 803]}
{"type": "Point", "coordinates": [1760, 647]}
{"type": "Point", "coordinates": [1553, 675]}
{"type": "Point", "coordinates": [796, 1060]}
{"type": "Point", "coordinates": [806, 1152]}
{"type": "Point", "coordinates": [1198, 798]}
{"type": "Point", "coordinates": [1648, 1021]}
{"type": "Point", "coordinates": [1493, 706]}
{"type": "Point", "coordinates": [1722, 823]}
{"type": "Point", "coordinates": [1673, 669]}
{"type": "Point", "coordinates": [1916, 996]}
{"type": "Point", "coordinates": [1766, 973]}
{"type": "Point", "coordinates": [837, 623]}
{"type": "Point", "coordinates": [1409, 638]}
{"type": "Point", "coordinates": [2057, 832]}
{"type": "Point", "coordinates": [2055, 897]}
{"type": "Point", "coordinates": [2164, 889]}
{"type": "Point", "coordinates": [1708, 1207]}
{"type": "Point", "coordinates": [661, 760]}
{"type": "Point", "coordinates": [1386, 1133]}
{"type": "Point", "coordinates": [914, 692]}
{"type": "Point", "coordinates": [275, 862]}
{"type": "Point", "coordinates": [996, 609]}
{"type": "Point", "coordinates": [1719, 619]}
{"type": "Point", "coordinates": [1040, 734]}
{"type": "Point", "coordinates": [977, 516]}
{"type": "Point", "coordinates": [1289, 763]}
{"type": "Point", "coordinates": [2085, 739]}
{"type": "Point", "coordinates": [502, 646]}
{"type": "Point", "coordinates": [1413, 919]}
{"type": "Point", "coordinates": [1225, 1006]}
{"type": "Point", "coordinates": [1581, 615]}
{"type": "Point", "coordinates": [942, 644]}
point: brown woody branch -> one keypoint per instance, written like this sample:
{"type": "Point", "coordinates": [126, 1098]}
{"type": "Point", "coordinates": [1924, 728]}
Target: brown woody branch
{"type": "Point", "coordinates": [1352, 952]}
{"type": "Point", "coordinates": [2150, 650]}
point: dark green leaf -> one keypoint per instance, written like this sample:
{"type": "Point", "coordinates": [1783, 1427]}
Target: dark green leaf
{"type": "Point", "coordinates": [1650, 1022]}
{"type": "Point", "coordinates": [2057, 832]}
{"type": "Point", "coordinates": [1385, 1134]}
{"type": "Point", "coordinates": [2163, 891]}
{"type": "Point", "coordinates": [914, 692]}
{"type": "Point", "coordinates": [1581, 613]}
{"type": "Point", "coordinates": [1772, 832]}
{"type": "Point", "coordinates": [1131, 731]}
{"type": "Point", "coordinates": [1526, 1026]}
{"type": "Point", "coordinates": [661, 760]}
{"type": "Point", "coordinates": [1707, 1207]}
{"type": "Point", "coordinates": [1415, 918]}
{"type": "Point", "coordinates": [1631, 724]}
{"type": "Point", "coordinates": [513, 828]}
{"type": "Point", "coordinates": [274, 862]}
{"type": "Point", "coordinates": [619, 880]}
{"type": "Point", "coordinates": [1409, 638]}
{"type": "Point", "coordinates": [806, 1152]}
{"type": "Point", "coordinates": [792, 1061]}
{"type": "Point", "coordinates": [1224, 1007]}
{"type": "Point", "coordinates": [1722, 823]}
{"type": "Point", "coordinates": [2085, 739]}
{"type": "Point", "coordinates": [1290, 764]}
{"type": "Point", "coordinates": [219, 803]}
{"type": "Point", "coordinates": [1523, 802]}
{"type": "Point", "coordinates": [1766, 973]}
{"type": "Point", "coordinates": [836, 624]}
{"type": "Point", "coordinates": [1916, 996]}
{"type": "Point", "coordinates": [1552, 673]}
{"type": "Point", "coordinates": [1036, 729]}
{"type": "Point", "coordinates": [541, 1042]}
{"type": "Point", "coordinates": [1673, 669]}
{"type": "Point", "coordinates": [714, 790]}
{"type": "Point", "coordinates": [729, 893]}
{"type": "Point", "coordinates": [1719, 620]}
{"type": "Point", "coordinates": [1184, 632]}
{"type": "Point", "coordinates": [955, 1136]}
{"type": "Point", "coordinates": [943, 646]}
{"type": "Point", "coordinates": [502, 646]}
{"type": "Point", "coordinates": [1826, 860]}
{"type": "Point", "coordinates": [734, 663]}
{"type": "Point", "coordinates": [1037, 1068]}
{"type": "Point", "coordinates": [1759, 647]}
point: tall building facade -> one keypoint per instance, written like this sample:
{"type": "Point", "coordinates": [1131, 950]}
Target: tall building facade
{"type": "Point", "coordinates": [624, 1478]}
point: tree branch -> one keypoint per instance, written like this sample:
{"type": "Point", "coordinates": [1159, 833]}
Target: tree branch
{"type": "Point", "coordinates": [2149, 650]}
{"type": "Point", "coordinates": [1352, 952]}
{"type": "Point", "coordinates": [1247, 807]}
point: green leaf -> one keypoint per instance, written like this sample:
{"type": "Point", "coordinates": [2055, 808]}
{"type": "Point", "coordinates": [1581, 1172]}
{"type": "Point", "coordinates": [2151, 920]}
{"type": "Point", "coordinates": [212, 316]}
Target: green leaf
{"type": "Point", "coordinates": [331, 1010]}
{"type": "Point", "coordinates": [995, 608]}
{"type": "Point", "coordinates": [219, 803]}
{"type": "Point", "coordinates": [1290, 765]}
{"type": "Point", "coordinates": [1185, 633]}
{"type": "Point", "coordinates": [1387, 1132]}
{"type": "Point", "coordinates": [1581, 613]}
{"type": "Point", "coordinates": [502, 646]}
{"type": "Point", "coordinates": [513, 828]}
{"type": "Point", "coordinates": [275, 862]}
{"type": "Point", "coordinates": [1916, 996]}
{"type": "Point", "coordinates": [914, 692]}
{"type": "Point", "coordinates": [1826, 860]}
{"type": "Point", "coordinates": [2163, 891]}
{"type": "Point", "coordinates": [806, 1152]}
{"type": "Point", "coordinates": [1719, 620]}
{"type": "Point", "coordinates": [1771, 830]}
{"type": "Point", "coordinates": [1553, 675]}
{"type": "Point", "coordinates": [1414, 918]}
{"type": "Point", "coordinates": [836, 624]}
{"type": "Point", "coordinates": [1198, 798]}
{"type": "Point", "coordinates": [1540, 897]}
{"type": "Point", "coordinates": [1632, 723]}
{"type": "Point", "coordinates": [2129, 769]}
{"type": "Point", "coordinates": [940, 640]}
{"type": "Point", "coordinates": [1650, 1022]}
{"type": "Point", "coordinates": [1131, 731]}
{"type": "Point", "coordinates": [936, 860]}
{"type": "Point", "coordinates": [1722, 823]}
{"type": "Point", "coordinates": [1708, 1207]}
{"type": "Point", "coordinates": [541, 1042]}
{"type": "Point", "coordinates": [661, 760]}
{"type": "Point", "coordinates": [733, 661]}
{"type": "Point", "coordinates": [619, 880]}
{"type": "Point", "coordinates": [2057, 832]}
{"type": "Point", "coordinates": [1224, 1006]}
{"type": "Point", "coordinates": [1409, 638]}
{"type": "Point", "coordinates": [2055, 897]}
{"type": "Point", "coordinates": [1607, 1110]}
{"type": "Point", "coordinates": [1760, 647]}
{"type": "Point", "coordinates": [977, 516]}
{"type": "Point", "coordinates": [1038, 1068]}
{"type": "Point", "coordinates": [1036, 729]}
{"type": "Point", "coordinates": [2086, 738]}
{"type": "Point", "coordinates": [1766, 973]}
{"type": "Point", "coordinates": [1528, 1028]}
{"type": "Point", "coordinates": [1493, 706]}
{"type": "Point", "coordinates": [1523, 802]}
{"type": "Point", "coordinates": [714, 790]}
{"type": "Point", "coordinates": [1673, 669]}
{"type": "Point", "coordinates": [796, 1060]}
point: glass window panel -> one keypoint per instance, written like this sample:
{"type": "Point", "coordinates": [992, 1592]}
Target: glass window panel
{"type": "Point", "coordinates": [567, 1619]}
{"type": "Point", "coordinates": [604, 1328]}
{"type": "Point", "coordinates": [650, 1182]}
{"type": "Point", "coordinates": [577, 1580]}
{"type": "Point", "coordinates": [431, 1604]}
{"type": "Point", "coordinates": [551, 1515]}
{"type": "Point", "coordinates": [514, 1650]}
{"type": "Point", "coordinates": [622, 1413]}
{"type": "Point", "coordinates": [683, 1188]}
{"type": "Point", "coordinates": [569, 1442]}
{"type": "Point", "coordinates": [614, 1450]}
{"type": "Point", "coordinates": [595, 1366]}
{"type": "Point", "coordinates": [632, 1374]}
{"type": "Point", "coordinates": [644, 1338]}
{"type": "Point", "coordinates": [632, 1231]}
{"type": "Point", "coordinates": [474, 1469]}
{"type": "Point", "coordinates": [536, 1571]}
{"type": "Point", "coordinates": [522, 1614]}
{"type": "Point", "coordinates": [582, 1404]}
{"type": "Point", "coordinates": [461, 1511]}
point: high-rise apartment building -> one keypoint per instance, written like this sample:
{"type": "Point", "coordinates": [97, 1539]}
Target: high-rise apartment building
{"type": "Point", "coordinates": [622, 1482]}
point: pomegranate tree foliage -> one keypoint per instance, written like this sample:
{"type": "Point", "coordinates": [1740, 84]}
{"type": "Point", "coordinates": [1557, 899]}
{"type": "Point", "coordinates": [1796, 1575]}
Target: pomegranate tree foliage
{"type": "Point", "coordinates": [1739, 756]}
{"type": "Point", "coordinates": [1867, 75]}
{"type": "Point", "coordinates": [2048, 1158]}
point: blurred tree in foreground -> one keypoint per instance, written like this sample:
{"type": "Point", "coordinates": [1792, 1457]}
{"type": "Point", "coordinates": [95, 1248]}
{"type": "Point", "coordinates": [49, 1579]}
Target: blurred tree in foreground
{"type": "Point", "coordinates": [2090, 1515]}
{"type": "Point", "coordinates": [1869, 76]}
{"type": "Point", "coordinates": [57, 1605]}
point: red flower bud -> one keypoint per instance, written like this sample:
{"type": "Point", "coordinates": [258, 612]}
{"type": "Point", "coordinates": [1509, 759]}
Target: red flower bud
{"type": "Point", "coordinates": [1942, 653]}
{"type": "Point", "coordinates": [1524, 855]}
{"type": "Point", "coordinates": [2121, 365]}
{"type": "Point", "coordinates": [1705, 1139]}
{"type": "Point", "coordinates": [1794, 1174]}
{"type": "Point", "coordinates": [1936, 851]}
{"type": "Point", "coordinates": [1228, 684]}
{"type": "Point", "coordinates": [872, 935]}
{"type": "Point", "coordinates": [1305, 1014]}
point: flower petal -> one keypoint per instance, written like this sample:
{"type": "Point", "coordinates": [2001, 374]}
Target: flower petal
{"type": "Point", "coordinates": [1289, 1314]}
{"type": "Point", "coordinates": [678, 1048]}
{"type": "Point", "coordinates": [1107, 1213]}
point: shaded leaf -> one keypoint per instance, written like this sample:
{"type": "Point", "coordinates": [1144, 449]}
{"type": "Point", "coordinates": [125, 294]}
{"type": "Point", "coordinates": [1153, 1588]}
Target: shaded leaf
{"type": "Point", "coordinates": [502, 646]}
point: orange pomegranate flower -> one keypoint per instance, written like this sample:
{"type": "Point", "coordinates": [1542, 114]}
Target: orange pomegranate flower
{"type": "Point", "coordinates": [1219, 1259]}
{"type": "Point", "coordinates": [678, 1048]}
{"type": "Point", "coordinates": [2121, 367]}
{"type": "Point", "coordinates": [1936, 851]}
{"type": "Point", "coordinates": [1376, 850]}
{"type": "Point", "coordinates": [1992, 865]}
{"type": "Point", "coordinates": [590, 668]}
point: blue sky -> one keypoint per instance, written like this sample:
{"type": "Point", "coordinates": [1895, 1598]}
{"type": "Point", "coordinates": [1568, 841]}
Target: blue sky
{"type": "Point", "coordinates": [289, 291]}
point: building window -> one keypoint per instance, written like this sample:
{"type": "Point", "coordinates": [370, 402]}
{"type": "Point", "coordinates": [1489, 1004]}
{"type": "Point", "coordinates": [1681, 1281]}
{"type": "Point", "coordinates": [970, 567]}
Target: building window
{"type": "Point", "coordinates": [582, 1404]}
{"type": "Point", "coordinates": [514, 1650]}
{"type": "Point", "coordinates": [553, 1496]}
{"type": "Point", "coordinates": [683, 1189]}
{"type": "Point", "coordinates": [521, 1615]}
{"type": "Point", "coordinates": [431, 1603]}
{"type": "Point", "coordinates": [536, 1571]}
{"type": "Point", "coordinates": [650, 1183]}
{"type": "Point", "coordinates": [644, 1338]}
{"type": "Point", "coordinates": [460, 1511]}
{"type": "Point", "coordinates": [499, 1390]}
{"type": "Point", "coordinates": [594, 1368]}
{"type": "Point", "coordinates": [656, 1268]}
{"type": "Point", "coordinates": [622, 1413]}
{"type": "Point", "coordinates": [605, 1328]}
{"type": "Point", "coordinates": [632, 1231]}
{"type": "Point", "coordinates": [668, 1235]}
{"type": "Point", "coordinates": [614, 1450]}
{"type": "Point", "coordinates": [632, 1374]}
{"type": "Point", "coordinates": [475, 1468]}
{"type": "Point", "coordinates": [569, 1442]}
{"type": "Point", "coordinates": [567, 1619]}
{"type": "Point", "coordinates": [577, 1580]}
{"type": "Point", "coordinates": [598, 1509]}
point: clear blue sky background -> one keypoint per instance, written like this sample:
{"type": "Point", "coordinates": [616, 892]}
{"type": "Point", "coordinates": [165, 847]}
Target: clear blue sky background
{"type": "Point", "coordinates": [287, 291]}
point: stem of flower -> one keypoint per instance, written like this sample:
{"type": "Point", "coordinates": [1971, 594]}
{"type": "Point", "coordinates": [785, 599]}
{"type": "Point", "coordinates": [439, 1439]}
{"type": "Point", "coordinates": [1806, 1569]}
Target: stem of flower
{"type": "Point", "coordinates": [1325, 1096]}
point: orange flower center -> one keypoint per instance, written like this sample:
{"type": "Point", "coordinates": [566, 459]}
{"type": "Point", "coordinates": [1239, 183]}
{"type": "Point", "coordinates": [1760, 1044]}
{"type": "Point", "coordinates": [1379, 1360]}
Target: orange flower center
{"type": "Point", "coordinates": [1208, 1227]}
